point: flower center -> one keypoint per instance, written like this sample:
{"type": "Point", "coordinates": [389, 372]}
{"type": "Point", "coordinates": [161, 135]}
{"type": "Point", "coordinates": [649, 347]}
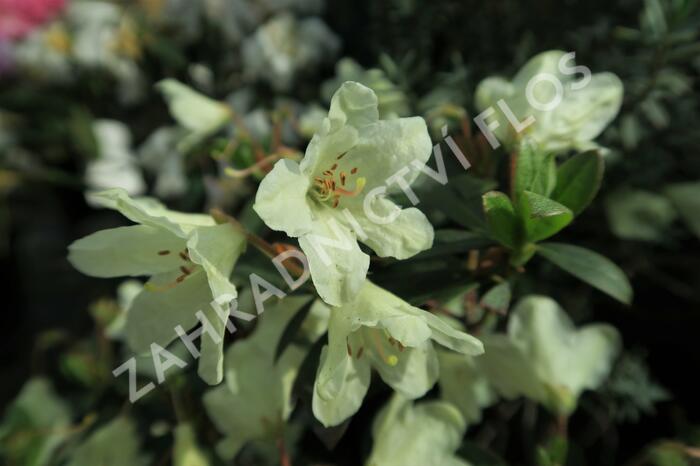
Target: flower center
{"type": "Point", "coordinates": [334, 184]}
{"type": "Point", "coordinates": [376, 343]}
{"type": "Point", "coordinates": [186, 269]}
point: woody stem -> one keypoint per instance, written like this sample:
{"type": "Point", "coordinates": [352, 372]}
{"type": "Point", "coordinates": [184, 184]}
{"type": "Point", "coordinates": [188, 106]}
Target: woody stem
{"type": "Point", "coordinates": [259, 243]}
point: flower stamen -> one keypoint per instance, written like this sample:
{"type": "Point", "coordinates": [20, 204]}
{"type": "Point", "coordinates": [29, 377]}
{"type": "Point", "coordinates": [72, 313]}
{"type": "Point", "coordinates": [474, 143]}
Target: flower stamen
{"type": "Point", "coordinates": [391, 359]}
{"type": "Point", "coordinates": [328, 190]}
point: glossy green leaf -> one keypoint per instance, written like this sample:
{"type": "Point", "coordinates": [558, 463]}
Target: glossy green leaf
{"type": "Point", "coordinates": [535, 170]}
{"type": "Point", "coordinates": [578, 181]}
{"type": "Point", "coordinates": [541, 216]}
{"type": "Point", "coordinates": [594, 269]}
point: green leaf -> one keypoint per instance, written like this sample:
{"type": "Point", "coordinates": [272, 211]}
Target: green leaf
{"type": "Point", "coordinates": [114, 444]}
{"type": "Point", "coordinates": [553, 453]}
{"type": "Point", "coordinates": [501, 218]}
{"type": "Point", "coordinates": [578, 181]}
{"type": "Point", "coordinates": [594, 269]}
{"type": "Point", "coordinates": [497, 298]}
{"type": "Point", "coordinates": [35, 425]}
{"type": "Point", "coordinates": [686, 199]}
{"type": "Point", "coordinates": [541, 216]}
{"type": "Point", "coordinates": [635, 214]}
{"type": "Point", "coordinates": [535, 171]}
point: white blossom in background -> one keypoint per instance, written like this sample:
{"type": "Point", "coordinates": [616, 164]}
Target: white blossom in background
{"type": "Point", "coordinates": [45, 53]}
{"type": "Point", "coordinates": [159, 155]}
{"type": "Point", "coordinates": [104, 37]}
{"type": "Point", "coordinates": [237, 19]}
{"type": "Point", "coordinates": [116, 165]}
{"type": "Point", "coordinates": [284, 47]}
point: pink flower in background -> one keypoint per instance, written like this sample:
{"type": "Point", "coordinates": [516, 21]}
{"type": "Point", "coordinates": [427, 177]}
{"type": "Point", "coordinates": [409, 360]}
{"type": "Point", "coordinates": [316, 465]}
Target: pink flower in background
{"type": "Point", "coordinates": [20, 17]}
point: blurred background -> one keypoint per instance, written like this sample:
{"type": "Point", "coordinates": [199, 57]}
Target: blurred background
{"type": "Point", "coordinates": [79, 112]}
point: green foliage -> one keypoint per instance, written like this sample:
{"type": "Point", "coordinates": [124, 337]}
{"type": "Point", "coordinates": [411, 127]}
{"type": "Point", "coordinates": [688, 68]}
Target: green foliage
{"type": "Point", "coordinates": [592, 268]}
{"type": "Point", "coordinates": [408, 322]}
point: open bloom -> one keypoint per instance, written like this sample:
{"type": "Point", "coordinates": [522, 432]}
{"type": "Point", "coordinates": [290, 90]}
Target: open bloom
{"type": "Point", "coordinates": [380, 330]}
{"type": "Point", "coordinates": [545, 358]}
{"type": "Point", "coordinates": [284, 47]}
{"type": "Point", "coordinates": [568, 113]}
{"type": "Point", "coordinates": [189, 259]}
{"type": "Point", "coordinates": [19, 17]}
{"type": "Point", "coordinates": [104, 36]}
{"type": "Point", "coordinates": [336, 195]}
{"type": "Point", "coordinates": [424, 433]}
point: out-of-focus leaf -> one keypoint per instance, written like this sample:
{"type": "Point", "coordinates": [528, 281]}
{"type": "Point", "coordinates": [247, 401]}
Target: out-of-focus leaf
{"type": "Point", "coordinates": [639, 215]}
{"type": "Point", "coordinates": [590, 267]}
{"type": "Point", "coordinates": [497, 298]}
{"type": "Point", "coordinates": [630, 131]}
{"type": "Point", "coordinates": [115, 444]}
{"type": "Point", "coordinates": [655, 112]}
{"type": "Point", "coordinates": [632, 391]}
{"type": "Point", "coordinates": [553, 453]}
{"type": "Point", "coordinates": [501, 218]}
{"type": "Point", "coordinates": [686, 199]}
{"type": "Point", "coordinates": [34, 425]}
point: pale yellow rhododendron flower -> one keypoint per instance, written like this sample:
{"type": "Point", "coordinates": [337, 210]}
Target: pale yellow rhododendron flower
{"type": "Point", "coordinates": [379, 330]}
{"type": "Point", "coordinates": [426, 433]}
{"type": "Point", "coordinates": [324, 199]}
{"type": "Point", "coordinates": [584, 111]}
{"type": "Point", "coordinates": [545, 358]}
{"type": "Point", "coordinates": [188, 258]}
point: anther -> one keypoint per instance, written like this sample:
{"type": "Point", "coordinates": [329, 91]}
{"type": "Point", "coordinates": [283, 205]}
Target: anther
{"type": "Point", "coordinates": [185, 270]}
{"type": "Point", "coordinates": [360, 351]}
{"type": "Point", "coordinates": [349, 349]}
{"type": "Point", "coordinates": [354, 170]}
{"type": "Point", "coordinates": [163, 253]}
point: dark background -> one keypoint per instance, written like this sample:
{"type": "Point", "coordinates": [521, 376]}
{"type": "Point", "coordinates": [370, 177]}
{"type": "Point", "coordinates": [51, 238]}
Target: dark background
{"type": "Point", "coordinates": [41, 291]}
